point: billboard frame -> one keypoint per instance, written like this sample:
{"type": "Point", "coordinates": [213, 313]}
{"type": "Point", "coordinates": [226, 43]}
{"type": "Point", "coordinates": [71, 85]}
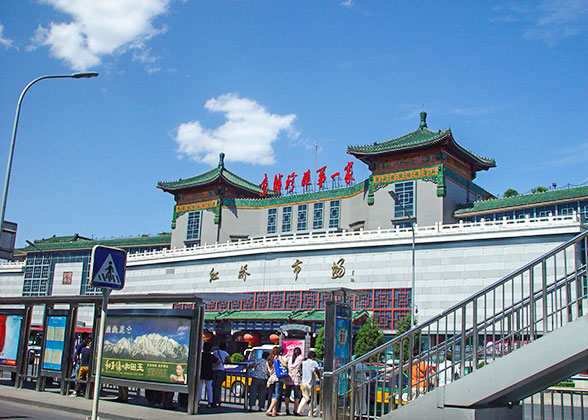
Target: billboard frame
{"type": "Point", "coordinates": [196, 317]}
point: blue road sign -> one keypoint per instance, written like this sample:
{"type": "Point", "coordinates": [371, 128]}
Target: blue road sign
{"type": "Point", "coordinates": [108, 267]}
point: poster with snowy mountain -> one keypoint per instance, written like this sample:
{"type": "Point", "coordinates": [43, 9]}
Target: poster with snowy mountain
{"type": "Point", "coordinates": [149, 348]}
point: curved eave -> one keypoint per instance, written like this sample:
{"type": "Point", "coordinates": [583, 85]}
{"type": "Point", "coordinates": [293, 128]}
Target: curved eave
{"type": "Point", "coordinates": [479, 162]}
{"type": "Point", "coordinates": [363, 153]}
{"type": "Point", "coordinates": [391, 147]}
{"type": "Point", "coordinates": [196, 181]}
{"type": "Point", "coordinates": [202, 181]}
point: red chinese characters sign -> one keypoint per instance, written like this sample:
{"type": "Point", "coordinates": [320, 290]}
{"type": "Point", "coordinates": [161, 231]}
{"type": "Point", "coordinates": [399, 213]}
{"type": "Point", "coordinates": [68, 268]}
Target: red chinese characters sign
{"type": "Point", "coordinates": [306, 182]}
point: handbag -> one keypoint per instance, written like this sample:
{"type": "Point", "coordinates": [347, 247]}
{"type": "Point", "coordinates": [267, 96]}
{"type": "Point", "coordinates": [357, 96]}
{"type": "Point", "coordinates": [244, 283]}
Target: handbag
{"type": "Point", "coordinates": [280, 369]}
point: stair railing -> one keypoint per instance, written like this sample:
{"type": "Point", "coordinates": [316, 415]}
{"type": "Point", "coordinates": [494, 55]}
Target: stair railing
{"type": "Point", "coordinates": [534, 300]}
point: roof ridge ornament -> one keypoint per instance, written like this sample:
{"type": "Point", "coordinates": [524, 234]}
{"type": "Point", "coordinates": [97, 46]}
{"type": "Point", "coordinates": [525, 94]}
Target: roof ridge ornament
{"type": "Point", "coordinates": [221, 160]}
{"type": "Point", "coordinates": [423, 123]}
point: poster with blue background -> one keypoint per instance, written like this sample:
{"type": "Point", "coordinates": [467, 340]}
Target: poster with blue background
{"type": "Point", "coordinates": [54, 342]}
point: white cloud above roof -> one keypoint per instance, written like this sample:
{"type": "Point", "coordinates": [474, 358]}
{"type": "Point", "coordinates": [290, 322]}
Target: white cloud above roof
{"type": "Point", "coordinates": [246, 136]}
{"type": "Point", "coordinates": [99, 28]}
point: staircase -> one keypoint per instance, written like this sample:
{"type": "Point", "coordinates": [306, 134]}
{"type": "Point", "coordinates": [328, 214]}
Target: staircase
{"type": "Point", "coordinates": [509, 341]}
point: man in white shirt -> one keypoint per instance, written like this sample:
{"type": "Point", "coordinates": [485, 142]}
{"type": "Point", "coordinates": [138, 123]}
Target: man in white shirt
{"type": "Point", "coordinates": [447, 370]}
{"type": "Point", "coordinates": [310, 370]}
{"type": "Point", "coordinates": [218, 373]}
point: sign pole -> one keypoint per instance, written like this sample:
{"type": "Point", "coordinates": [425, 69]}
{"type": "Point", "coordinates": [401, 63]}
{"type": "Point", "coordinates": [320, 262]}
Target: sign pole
{"type": "Point", "coordinates": [105, 295]}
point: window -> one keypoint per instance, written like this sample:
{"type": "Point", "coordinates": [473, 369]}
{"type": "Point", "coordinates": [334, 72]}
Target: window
{"type": "Point", "coordinates": [334, 213]}
{"type": "Point", "coordinates": [302, 210]}
{"type": "Point", "coordinates": [193, 230]}
{"type": "Point", "coordinates": [272, 215]}
{"type": "Point", "coordinates": [405, 193]}
{"type": "Point", "coordinates": [287, 219]}
{"type": "Point", "coordinates": [563, 211]}
{"type": "Point", "coordinates": [317, 219]}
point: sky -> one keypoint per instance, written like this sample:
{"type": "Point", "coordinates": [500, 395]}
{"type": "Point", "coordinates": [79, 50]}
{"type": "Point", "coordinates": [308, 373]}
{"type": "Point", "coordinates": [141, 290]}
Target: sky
{"type": "Point", "coordinates": [279, 86]}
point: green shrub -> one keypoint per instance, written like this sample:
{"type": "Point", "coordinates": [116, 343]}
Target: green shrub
{"type": "Point", "coordinates": [237, 357]}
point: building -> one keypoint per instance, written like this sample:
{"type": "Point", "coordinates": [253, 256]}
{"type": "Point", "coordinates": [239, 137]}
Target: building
{"type": "Point", "coordinates": [232, 235]}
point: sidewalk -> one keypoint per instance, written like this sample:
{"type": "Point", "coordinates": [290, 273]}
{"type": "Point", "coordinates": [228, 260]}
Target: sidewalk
{"type": "Point", "coordinates": [108, 409]}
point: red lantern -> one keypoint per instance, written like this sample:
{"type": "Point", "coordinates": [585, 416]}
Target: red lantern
{"type": "Point", "coordinates": [274, 338]}
{"type": "Point", "coordinates": [249, 338]}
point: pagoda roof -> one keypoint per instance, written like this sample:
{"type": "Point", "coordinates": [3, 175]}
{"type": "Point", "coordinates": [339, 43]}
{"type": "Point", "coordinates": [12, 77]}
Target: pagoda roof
{"type": "Point", "coordinates": [210, 177]}
{"type": "Point", "coordinates": [526, 200]}
{"type": "Point", "coordinates": [419, 139]}
{"type": "Point", "coordinates": [56, 243]}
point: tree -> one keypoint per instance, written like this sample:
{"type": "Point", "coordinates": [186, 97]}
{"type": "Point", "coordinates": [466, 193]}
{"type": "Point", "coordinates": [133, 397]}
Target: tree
{"type": "Point", "coordinates": [538, 189]}
{"type": "Point", "coordinates": [404, 325]}
{"type": "Point", "coordinates": [510, 193]}
{"type": "Point", "coordinates": [319, 344]}
{"type": "Point", "coordinates": [368, 337]}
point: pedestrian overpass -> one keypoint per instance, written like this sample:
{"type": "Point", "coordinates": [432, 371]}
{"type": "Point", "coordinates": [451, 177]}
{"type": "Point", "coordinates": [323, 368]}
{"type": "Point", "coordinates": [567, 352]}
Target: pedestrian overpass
{"type": "Point", "coordinates": [511, 340]}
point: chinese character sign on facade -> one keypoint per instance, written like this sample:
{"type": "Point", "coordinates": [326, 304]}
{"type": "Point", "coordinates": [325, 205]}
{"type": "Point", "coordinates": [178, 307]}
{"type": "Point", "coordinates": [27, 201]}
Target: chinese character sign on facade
{"type": "Point", "coordinates": [321, 177]}
{"type": "Point", "coordinates": [290, 182]}
{"type": "Point", "coordinates": [306, 180]}
{"type": "Point", "coordinates": [349, 173]}
{"type": "Point", "coordinates": [263, 186]}
{"type": "Point", "coordinates": [243, 273]}
{"type": "Point", "coordinates": [213, 275]}
{"type": "Point", "coordinates": [297, 268]}
{"type": "Point", "coordinates": [337, 269]}
{"type": "Point", "coordinates": [278, 184]}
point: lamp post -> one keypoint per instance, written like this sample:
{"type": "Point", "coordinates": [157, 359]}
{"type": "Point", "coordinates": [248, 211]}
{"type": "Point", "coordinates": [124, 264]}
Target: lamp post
{"type": "Point", "coordinates": [412, 220]}
{"type": "Point", "coordinates": [82, 75]}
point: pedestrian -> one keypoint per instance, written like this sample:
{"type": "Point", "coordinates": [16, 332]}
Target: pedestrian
{"type": "Point", "coordinates": [420, 373]}
{"type": "Point", "coordinates": [85, 355]}
{"type": "Point", "coordinates": [293, 380]}
{"type": "Point", "coordinates": [448, 372]}
{"type": "Point", "coordinates": [76, 354]}
{"type": "Point", "coordinates": [310, 371]}
{"type": "Point", "coordinates": [275, 384]}
{"type": "Point", "coordinates": [218, 373]}
{"type": "Point", "coordinates": [207, 373]}
{"type": "Point", "coordinates": [258, 370]}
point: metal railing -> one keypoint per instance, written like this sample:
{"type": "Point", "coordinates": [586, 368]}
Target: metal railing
{"type": "Point", "coordinates": [557, 404]}
{"type": "Point", "coordinates": [536, 299]}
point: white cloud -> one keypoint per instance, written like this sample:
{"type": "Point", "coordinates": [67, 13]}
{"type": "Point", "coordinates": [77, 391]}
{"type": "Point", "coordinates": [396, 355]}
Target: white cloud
{"type": "Point", "coordinates": [548, 21]}
{"type": "Point", "coordinates": [99, 28]}
{"type": "Point", "coordinates": [246, 136]}
{"type": "Point", "coordinates": [4, 41]}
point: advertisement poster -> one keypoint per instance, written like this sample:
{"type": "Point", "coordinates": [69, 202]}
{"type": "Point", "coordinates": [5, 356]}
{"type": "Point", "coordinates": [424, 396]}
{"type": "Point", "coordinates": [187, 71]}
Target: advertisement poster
{"type": "Point", "coordinates": [9, 338]}
{"type": "Point", "coordinates": [290, 345]}
{"type": "Point", "coordinates": [342, 343]}
{"type": "Point", "coordinates": [54, 342]}
{"type": "Point", "coordinates": [146, 348]}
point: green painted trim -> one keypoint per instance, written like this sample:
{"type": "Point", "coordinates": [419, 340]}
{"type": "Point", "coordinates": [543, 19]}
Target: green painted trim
{"type": "Point", "coordinates": [441, 189]}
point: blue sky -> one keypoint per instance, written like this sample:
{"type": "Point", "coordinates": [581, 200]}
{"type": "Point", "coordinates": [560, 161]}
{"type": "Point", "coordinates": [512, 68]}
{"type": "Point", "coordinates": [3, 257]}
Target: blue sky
{"type": "Point", "coordinates": [267, 80]}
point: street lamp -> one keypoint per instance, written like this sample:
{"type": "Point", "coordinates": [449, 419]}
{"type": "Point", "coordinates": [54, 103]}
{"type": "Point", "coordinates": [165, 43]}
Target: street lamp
{"type": "Point", "coordinates": [412, 221]}
{"type": "Point", "coordinates": [81, 75]}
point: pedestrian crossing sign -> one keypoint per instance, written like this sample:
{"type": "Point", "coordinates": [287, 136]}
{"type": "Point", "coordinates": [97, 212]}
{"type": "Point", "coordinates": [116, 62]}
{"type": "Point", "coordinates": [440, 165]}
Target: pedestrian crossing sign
{"type": "Point", "coordinates": [108, 267]}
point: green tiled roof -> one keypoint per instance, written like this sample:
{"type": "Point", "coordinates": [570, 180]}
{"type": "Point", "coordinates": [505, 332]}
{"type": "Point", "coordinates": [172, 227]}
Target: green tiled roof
{"type": "Point", "coordinates": [208, 177]}
{"type": "Point", "coordinates": [418, 139]}
{"type": "Point", "coordinates": [525, 200]}
{"type": "Point", "coordinates": [77, 242]}
{"type": "Point", "coordinates": [297, 198]}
